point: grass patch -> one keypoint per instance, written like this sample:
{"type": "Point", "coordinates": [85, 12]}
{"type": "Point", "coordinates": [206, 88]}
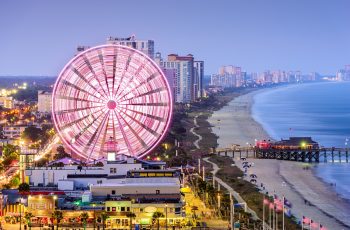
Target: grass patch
{"type": "Point", "coordinates": [232, 175]}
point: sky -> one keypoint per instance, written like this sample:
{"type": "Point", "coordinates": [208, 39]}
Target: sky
{"type": "Point", "coordinates": [40, 37]}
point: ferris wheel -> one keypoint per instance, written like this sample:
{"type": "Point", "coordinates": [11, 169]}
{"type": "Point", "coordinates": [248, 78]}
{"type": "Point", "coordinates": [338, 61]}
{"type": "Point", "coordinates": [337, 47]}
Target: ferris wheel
{"type": "Point", "coordinates": [111, 92]}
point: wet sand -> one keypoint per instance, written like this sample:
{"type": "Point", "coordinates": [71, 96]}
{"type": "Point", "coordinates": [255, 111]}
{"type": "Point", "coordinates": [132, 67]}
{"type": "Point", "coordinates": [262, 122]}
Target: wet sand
{"type": "Point", "coordinates": [234, 125]}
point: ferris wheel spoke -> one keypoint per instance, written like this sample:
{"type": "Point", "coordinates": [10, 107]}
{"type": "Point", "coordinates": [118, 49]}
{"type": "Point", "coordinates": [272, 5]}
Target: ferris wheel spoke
{"type": "Point", "coordinates": [67, 83]}
{"type": "Point", "coordinates": [63, 127]}
{"type": "Point", "coordinates": [85, 80]}
{"type": "Point", "coordinates": [114, 69]}
{"type": "Point", "coordinates": [157, 90]}
{"type": "Point", "coordinates": [73, 98]}
{"type": "Point", "coordinates": [121, 127]}
{"type": "Point", "coordinates": [150, 78]}
{"type": "Point", "coordinates": [87, 62]}
{"type": "Point", "coordinates": [150, 104]}
{"type": "Point", "coordinates": [126, 67]}
{"type": "Point", "coordinates": [144, 145]}
{"type": "Point", "coordinates": [161, 119]}
{"type": "Point", "coordinates": [84, 129]}
{"type": "Point", "coordinates": [153, 132]}
{"type": "Point", "coordinates": [100, 56]}
{"type": "Point", "coordinates": [130, 79]}
{"type": "Point", "coordinates": [105, 130]}
{"type": "Point", "coordinates": [97, 133]}
{"type": "Point", "coordinates": [60, 112]}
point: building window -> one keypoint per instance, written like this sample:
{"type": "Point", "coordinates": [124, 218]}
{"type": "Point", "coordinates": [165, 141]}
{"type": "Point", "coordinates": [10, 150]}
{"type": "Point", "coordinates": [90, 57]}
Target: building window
{"type": "Point", "coordinates": [157, 191]}
{"type": "Point", "coordinates": [114, 209]}
{"type": "Point", "coordinates": [108, 209]}
{"type": "Point", "coordinates": [128, 209]}
{"type": "Point", "coordinates": [122, 209]}
{"type": "Point", "coordinates": [113, 170]}
{"type": "Point", "coordinates": [113, 192]}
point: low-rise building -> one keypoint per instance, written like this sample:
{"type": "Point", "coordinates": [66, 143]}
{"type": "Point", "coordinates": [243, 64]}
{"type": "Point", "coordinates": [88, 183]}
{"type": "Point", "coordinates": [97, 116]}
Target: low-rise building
{"type": "Point", "coordinates": [44, 101]}
{"type": "Point", "coordinates": [72, 175]}
{"type": "Point", "coordinates": [13, 131]}
{"type": "Point", "coordinates": [7, 102]}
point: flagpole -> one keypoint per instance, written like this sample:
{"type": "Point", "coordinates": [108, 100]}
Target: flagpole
{"type": "Point", "coordinates": [269, 217]}
{"type": "Point", "coordinates": [310, 223]}
{"type": "Point", "coordinates": [283, 215]}
{"type": "Point", "coordinates": [231, 211]}
{"type": "Point", "coordinates": [263, 212]}
{"type": "Point", "coordinates": [302, 223]}
{"type": "Point", "coordinates": [276, 218]}
{"type": "Point", "coordinates": [273, 216]}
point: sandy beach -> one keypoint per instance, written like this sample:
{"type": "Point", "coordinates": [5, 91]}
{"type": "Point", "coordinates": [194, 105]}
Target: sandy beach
{"type": "Point", "coordinates": [235, 125]}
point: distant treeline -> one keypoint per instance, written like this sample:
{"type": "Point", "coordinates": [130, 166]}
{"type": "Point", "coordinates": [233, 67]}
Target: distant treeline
{"type": "Point", "coordinates": [10, 81]}
{"type": "Point", "coordinates": [33, 85]}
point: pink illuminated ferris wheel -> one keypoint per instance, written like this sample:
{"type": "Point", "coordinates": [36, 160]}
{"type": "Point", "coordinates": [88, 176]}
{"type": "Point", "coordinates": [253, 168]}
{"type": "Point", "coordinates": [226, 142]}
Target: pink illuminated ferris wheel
{"type": "Point", "coordinates": [111, 92]}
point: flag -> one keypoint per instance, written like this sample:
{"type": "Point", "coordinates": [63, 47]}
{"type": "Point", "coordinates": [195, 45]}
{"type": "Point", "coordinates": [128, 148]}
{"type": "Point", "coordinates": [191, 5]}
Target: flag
{"type": "Point", "coordinates": [266, 202]}
{"type": "Point", "coordinates": [306, 220]}
{"type": "Point", "coordinates": [277, 201]}
{"type": "Point", "coordinates": [288, 212]}
{"type": "Point", "coordinates": [287, 203]}
{"type": "Point", "coordinates": [279, 207]}
{"type": "Point", "coordinates": [314, 224]}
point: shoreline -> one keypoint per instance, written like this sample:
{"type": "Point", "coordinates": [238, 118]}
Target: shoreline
{"type": "Point", "coordinates": [235, 124]}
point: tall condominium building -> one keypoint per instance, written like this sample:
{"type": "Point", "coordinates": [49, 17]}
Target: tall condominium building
{"type": "Point", "coordinates": [198, 78]}
{"type": "Point", "coordinates": [170, 75]}
{"type": "Point", "coordinates": [184, 90]}
{"type": "Point", "coordinates": [229, 76]}
{"type": "Point", "coordinates": [44, 101]}
{"type": "Point", "coordinates": [145, 46]}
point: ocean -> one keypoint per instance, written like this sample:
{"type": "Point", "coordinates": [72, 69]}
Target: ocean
{"type": "Point", "coordinates": [319, 110]}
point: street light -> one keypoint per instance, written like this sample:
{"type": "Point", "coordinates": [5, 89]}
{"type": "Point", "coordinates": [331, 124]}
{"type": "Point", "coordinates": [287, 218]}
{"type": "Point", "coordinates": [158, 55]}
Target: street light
{"type": "Point", "coordinates": [166, 216]}
{"type": "Point", "coordinates": [20, 213]}
{"type": "Point", "coordinates": [93, 205]}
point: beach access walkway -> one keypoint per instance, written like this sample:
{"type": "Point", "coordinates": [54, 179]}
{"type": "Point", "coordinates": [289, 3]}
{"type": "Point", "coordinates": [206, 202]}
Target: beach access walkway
{"type": "Point", "coordinates": [235, 195]}
{"type": "Point", "coordinates": [196, 142]}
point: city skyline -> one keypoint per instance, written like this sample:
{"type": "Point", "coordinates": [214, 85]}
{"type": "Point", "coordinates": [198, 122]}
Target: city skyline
{"type": "Point", "coordinates": [306, 36]}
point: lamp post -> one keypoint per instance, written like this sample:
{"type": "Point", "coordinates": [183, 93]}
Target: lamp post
{"type": "Point", "coordinates": [166, 216]}
{"type": "Point", "coordinates": [94, 216]}
{"type": "Point", "coordinates": [20, 213]}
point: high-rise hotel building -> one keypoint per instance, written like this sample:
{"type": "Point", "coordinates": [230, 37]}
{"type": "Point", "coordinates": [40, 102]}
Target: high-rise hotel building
{"type": "Point", "coordinates": [145, 46]}
{"type": "Point", "coordinates": [188, 77]}
{"type": "Point", "coordinates": [228, 76]}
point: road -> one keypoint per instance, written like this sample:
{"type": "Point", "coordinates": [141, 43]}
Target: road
{"type": "Point", "coordinates": [14, 169]}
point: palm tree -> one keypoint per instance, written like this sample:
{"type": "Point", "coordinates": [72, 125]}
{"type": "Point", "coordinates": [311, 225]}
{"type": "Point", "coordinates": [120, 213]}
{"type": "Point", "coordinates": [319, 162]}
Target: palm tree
{"type": "Point", "coordinates": [131, 216]}
{"type": "Point", "coordinates": [83, 217]}
{"type": "Point", "coordinates": [58, 215]}
{"type": "Point", "coordinates": [23, 188]}
{"type": "Point", "coordinates": [156, 216]}
{"type": "Point", "coordinates": [28, 216]}
{"type": "Point", "coordinates": [104, 216]}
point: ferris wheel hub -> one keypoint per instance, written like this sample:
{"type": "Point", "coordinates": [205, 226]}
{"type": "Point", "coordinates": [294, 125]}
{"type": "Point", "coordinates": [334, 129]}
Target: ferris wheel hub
{"type": "Point", "coordinates": [111, 104]}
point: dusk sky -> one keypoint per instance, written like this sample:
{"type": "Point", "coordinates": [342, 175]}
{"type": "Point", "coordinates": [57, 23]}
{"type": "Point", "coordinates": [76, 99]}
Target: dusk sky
{"type": "Point", "coordinates": [39, 37]}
